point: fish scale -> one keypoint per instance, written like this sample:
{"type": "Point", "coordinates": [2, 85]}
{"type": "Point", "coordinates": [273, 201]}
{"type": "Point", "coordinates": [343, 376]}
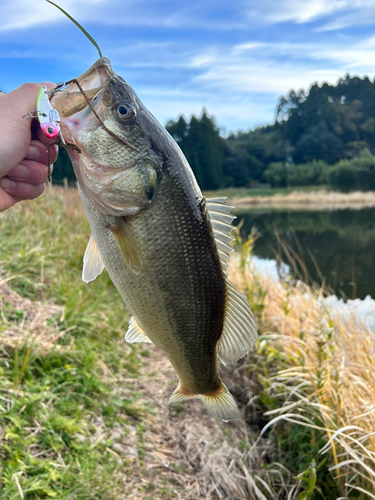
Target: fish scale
{"type": "Point", "coordinates": [171, 294]}
{"type": "Point", "coordinates": [158, 239]}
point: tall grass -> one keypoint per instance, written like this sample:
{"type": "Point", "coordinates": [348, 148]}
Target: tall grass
{"type": "Point", "coordinates": [317, 371]}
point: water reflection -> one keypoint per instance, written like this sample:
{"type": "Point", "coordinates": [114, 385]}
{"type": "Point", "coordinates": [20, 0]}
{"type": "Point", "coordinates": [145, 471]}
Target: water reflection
{"type": "Point", "coordinates": [336, 246]}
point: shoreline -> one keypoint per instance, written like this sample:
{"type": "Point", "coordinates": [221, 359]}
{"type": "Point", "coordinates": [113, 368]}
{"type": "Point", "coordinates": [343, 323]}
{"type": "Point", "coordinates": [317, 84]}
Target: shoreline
{"type": "Point", "coordinates": [299, 200]}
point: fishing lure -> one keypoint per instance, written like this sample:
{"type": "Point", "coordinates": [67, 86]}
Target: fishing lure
{"type": "Point", "coordinates": [48, 118]}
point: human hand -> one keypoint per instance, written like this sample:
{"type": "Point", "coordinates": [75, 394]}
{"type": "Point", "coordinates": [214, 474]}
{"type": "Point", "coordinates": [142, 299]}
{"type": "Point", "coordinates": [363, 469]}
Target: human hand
{"type": "Point", "coordinates": [23, 152]}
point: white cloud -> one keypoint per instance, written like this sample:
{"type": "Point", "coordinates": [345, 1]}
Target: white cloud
{"type": "Point", "coordinates": [23, 14]}
{"type": "Point", "coordinates": [259, 67]}
{"type": "Point", "coordinates": [275, 11]}
{"type": "Point", "coordinates": [358, 16]}
{"type": "Point", "coordinates": [241, 84]}
{"type": "Point", "coordinates": [238, 113]}
{"type": "Point", "coordinates": [347, 12]}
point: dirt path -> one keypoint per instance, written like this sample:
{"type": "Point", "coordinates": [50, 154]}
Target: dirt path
{"type": "Point", "coordinates": [187, 453]}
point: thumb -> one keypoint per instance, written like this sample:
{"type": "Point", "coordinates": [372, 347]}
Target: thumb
{"type": "Point", "coordinates": [14, 129]}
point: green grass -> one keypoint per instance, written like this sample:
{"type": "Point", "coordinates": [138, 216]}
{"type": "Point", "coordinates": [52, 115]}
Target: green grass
{"type": "Point", "coordinates": [59, 407]}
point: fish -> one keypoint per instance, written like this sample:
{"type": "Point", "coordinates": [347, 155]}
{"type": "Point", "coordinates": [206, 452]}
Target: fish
{"type": "Point", "coordinates": [164, 245]}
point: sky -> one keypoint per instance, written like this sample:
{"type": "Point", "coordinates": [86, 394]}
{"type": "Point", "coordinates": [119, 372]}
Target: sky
{"type": "Point", "coordinates": [234, 59]}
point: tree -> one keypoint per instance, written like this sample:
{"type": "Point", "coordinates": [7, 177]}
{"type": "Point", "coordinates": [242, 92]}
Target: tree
{"type": "Point", "coordinates": [318, 143]}
{"type": "Point", "coordinates": [203, 147]}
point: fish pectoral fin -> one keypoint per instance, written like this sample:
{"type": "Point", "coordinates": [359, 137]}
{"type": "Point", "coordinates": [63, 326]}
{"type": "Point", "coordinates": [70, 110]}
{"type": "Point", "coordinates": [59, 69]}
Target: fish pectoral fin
{"type": "Point", "coordinates": [92, 261]}
{"type": "Point", "coordinates": [239, 330]}
{"type": "Point", "coordinates": [126, 245]}
{"type": "Point", "coordinates": [220, 403]}
{"type": "Point", "coordinates": [135, 333]}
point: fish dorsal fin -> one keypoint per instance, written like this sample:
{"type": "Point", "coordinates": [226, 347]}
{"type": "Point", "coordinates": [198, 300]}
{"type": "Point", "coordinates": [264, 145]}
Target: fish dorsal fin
{"type": "Point", "coordinates": [239, 330]}
{"type": "Point", "coordinates": [135, 333]}
{"type": "Point", "coordinates": [126, 245]}
{"type": "Point", "coordinates": [221, 222]}
{"type": "Point", "coordinates": [92, 261]}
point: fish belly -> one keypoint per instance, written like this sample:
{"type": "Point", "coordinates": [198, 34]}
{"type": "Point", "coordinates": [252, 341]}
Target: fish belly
{"type": "Point", "coordinates": [178, 299]}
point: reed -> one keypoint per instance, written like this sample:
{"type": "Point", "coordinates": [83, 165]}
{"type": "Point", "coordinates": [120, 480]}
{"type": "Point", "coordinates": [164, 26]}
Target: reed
{"type": "Point", "coordinates": [319, 387]}
{"type": "Point", "coordinates": [308, 200]}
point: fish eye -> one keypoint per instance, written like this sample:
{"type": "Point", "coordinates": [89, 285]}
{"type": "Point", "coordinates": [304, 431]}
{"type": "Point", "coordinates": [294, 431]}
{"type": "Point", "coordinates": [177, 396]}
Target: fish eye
{"type": "Point", "coordinates": [124, 111]}
{"type": "Point", "coordinates": [50, 130]}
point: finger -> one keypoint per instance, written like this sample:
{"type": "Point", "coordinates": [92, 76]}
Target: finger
{"type": "Point", "coordinates": [6, 200]}
{"type": "Point", "coordinates": [21, 190]}
{"type": "Point", "coordinates": [49, 85]}
{"type": "Point", "coordinates": [31, 172]}
{"type": "Point", "coordinates": [15, 129]}
{"type": "Point", "coordinates": [38, 152]}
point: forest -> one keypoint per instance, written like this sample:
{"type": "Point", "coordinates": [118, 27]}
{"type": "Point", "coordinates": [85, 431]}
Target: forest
{"type": "Point", "coordinates": [323, 136]}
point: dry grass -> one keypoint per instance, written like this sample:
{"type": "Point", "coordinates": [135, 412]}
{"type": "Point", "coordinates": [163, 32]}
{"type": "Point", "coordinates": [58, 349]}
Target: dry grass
{"type": "Point", "coordinates": [328, 382]}
{"type": "Point", "coordinates": [315, 200]}
{"type": "Point", "coordinates": [31, 322]}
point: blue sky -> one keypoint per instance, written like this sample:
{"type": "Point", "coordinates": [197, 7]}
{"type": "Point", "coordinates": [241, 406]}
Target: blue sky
{"type": "Point", "coordinates": [233, 58]}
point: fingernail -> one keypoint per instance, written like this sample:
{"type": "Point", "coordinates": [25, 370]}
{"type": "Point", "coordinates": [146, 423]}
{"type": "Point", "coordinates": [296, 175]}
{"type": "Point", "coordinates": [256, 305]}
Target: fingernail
{"type": "Point", "coordinates": [6, 183]}
{"type": "Point", "coordinates": [33, 153]}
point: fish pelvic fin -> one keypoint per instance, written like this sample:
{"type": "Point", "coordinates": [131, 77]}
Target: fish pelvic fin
{"type": "Point", "coordinates": [135, 333]}
{"type": "Point", "coordinates": [92, 261]}
{"type": "Point", "coordinates": [219, 403]}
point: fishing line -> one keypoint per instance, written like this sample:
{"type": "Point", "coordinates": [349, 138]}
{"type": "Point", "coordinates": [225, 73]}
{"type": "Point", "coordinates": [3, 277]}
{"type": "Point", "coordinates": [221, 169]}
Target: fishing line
{"type": "Point", "coordinates": [85, 32]}
{"type": "Point", "coordinates": [79, 26]}
{"type": "Point", "coordinates": [48, 159]}
{"type": "Point", "coordinates": [74, 80]}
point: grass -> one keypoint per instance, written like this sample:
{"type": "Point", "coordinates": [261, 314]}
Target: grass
{"type": "Point", "coordinates": [61, 397]}
{"type": "Point", "coordinates": [83, 415]}
{"type": "Point", "coordinates": [317, 385]}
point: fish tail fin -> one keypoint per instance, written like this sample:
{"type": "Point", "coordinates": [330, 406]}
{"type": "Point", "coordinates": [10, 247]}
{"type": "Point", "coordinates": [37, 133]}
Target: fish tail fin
{"type": "Point", "coordinates": [219, 403]}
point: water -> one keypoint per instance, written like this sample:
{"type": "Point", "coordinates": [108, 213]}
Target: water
{"type": "Point", "coordinates": [336, 247]}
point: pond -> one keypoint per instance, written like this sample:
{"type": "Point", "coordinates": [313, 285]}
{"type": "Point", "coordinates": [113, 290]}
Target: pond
{"type": "Point", "coordinates": [336, 247]}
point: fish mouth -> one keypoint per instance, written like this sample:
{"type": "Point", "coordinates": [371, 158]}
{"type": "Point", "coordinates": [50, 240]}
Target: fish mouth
{"type": "Point", "coordinates": [74, 98]}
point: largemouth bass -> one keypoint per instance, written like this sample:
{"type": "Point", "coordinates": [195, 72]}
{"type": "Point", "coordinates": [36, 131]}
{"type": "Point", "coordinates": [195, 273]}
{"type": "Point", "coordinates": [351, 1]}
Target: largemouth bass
{"type": "Point", "coordinates": [164, 245]}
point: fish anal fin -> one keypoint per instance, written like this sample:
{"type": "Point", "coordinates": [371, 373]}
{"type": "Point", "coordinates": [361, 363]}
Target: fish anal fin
{"type": "Point", "coordinates": [135, 333]}
{"type": "Point", "coordinates": [239, 330]}
{"type": "Point", "coordinates": [220, 403]}
{"type": "Point", "coordinates": [92, 261]}
{"type": "Point", "coordinates": [126, 245]}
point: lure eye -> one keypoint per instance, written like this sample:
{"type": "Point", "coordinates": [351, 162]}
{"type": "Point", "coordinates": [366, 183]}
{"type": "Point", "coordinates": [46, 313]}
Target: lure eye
{"type": "Point", "coordinates": [124, 111]}
{"type": "Point", "coordinates": [50, 130]}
